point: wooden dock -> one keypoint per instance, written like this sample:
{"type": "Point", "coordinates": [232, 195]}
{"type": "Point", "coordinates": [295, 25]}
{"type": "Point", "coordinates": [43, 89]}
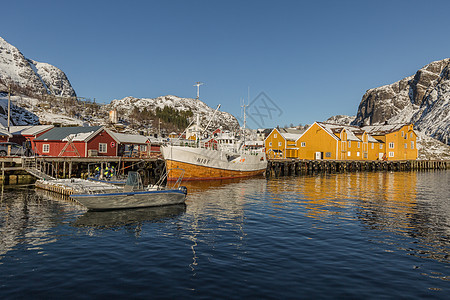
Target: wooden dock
{"type": "Point", "coordinates": [296, 167]}
{"type": "Point", "coordinates": [45, 167]}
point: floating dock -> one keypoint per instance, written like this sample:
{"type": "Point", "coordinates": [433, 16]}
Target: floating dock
{"type": "Point", "coordinates": [68, 187]}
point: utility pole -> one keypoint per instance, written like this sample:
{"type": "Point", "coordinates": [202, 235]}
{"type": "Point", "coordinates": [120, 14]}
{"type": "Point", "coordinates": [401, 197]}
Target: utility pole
{"type": "Point", "coordinates": [9, 106]}
{"type": "Point", "coordinates": [198, 84]}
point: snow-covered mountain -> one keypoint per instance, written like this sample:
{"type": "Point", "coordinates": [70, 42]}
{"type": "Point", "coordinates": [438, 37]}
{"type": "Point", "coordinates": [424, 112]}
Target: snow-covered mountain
{"type": "Point", "coordinates": [221, 119]}
{"type": "Point", "coordinates": [340, 119]}
{"type": "Point", "coordinates": [30, 77]}
{"type": "Point", "coordinates": [422, 99]}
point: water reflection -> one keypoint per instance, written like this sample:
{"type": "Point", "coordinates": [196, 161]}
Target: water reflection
{"type": "Point", "coordinates": [26, 219]}
{"type": "Point", "coordinates": [122, 217]}
{"type": "Point", "coordinates": [408, 204]}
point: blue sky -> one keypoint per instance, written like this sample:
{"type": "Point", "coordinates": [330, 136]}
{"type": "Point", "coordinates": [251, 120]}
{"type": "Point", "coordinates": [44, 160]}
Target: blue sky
{"type": "Point", "coordinates": [311, 59]}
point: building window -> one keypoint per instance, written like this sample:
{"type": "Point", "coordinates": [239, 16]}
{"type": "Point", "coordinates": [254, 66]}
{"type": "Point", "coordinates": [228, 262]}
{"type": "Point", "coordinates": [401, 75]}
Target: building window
{"type": "Point", "coordinates": [275, 135]}
{"type": "Point", "coordinates": [144, 148]}
{"type": "Point", "coordinates": [349, 144]}
{"type": "Point", "coordinates": [270, 144]}
{"type": "Point", "coordinates": [303, 144]}
{"type": "Point", "coordinates": [391, 145]}
{"type": "Point", "coordinates": [411, 135]}
{"type": "Point", "coordinates": [381, 146]}
{"type": "Point", "coordinates": [102, 147]}
{"type": "Point", "coordinates": [46, 148]}
{"type": "Point", "coordinates": [373, 146]}
{"type": "Point", "coordinates": [328, 154]}
{"type": "Point", "coordinates": [365, 155]}
{"type": "Point", "coordinates": [279, 144]}
{"type": "Point", "coordinates": [403, 133]}
{"type": "Point", "coordinates": [357, 153]}
{"type": "Point", "coordinates": [349, 153]}
{"type": "Point", "coordinates": [412, 144]}
{"type": "Point", "coordinates": [391, 154]}
{"type": "Point", "coordinates": [406, 146]}
{"type": "Point", "coordinates": [359, 144]}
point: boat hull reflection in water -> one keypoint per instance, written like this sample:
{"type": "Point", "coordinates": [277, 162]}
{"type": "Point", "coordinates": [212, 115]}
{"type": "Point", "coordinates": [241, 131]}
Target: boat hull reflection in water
{"type": "Point", "coordinates": [114, 218]}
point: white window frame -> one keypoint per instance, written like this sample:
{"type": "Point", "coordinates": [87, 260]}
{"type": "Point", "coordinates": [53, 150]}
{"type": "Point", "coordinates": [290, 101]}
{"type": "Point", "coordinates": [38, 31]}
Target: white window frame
{"type": "Point", "coordinates": [275, 135]}
{"type": "Point", "coordinates": [391, 145]}
{"type": "Point", "coordinates": [100, 147]}
{"type": "Point", "coordinates": [406, 145]}
{"type": "Point", "coordinates": [391, 154]}
{"type": "Point", "coordinates": [412, 144]}
{"type": "Point", "coordinates": [143, 148]}
{"type": "Point", "coordinates": [279, 144]}
{"type": "Point", "coordinates": [357, 154]}
{"type": "Point", "coordinates": [270, 144]}
{"type": "Point", "coordinates": [46, 148]}
{"type": "Point", "coordinates": [373, 145]}
{"type": "Point", "coordinates": [381, 146]}
{"type": "Point", "coordinates": [303, 144]}
{"type": "Point", "coordinates": [359, 144]}
{"type": "Point", "coordinates": [349, 153]}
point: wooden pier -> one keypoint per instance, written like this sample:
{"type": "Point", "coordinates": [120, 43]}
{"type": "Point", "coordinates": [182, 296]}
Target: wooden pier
{"type": "Point", "coordinates": [45, 167]}
{"type": "Point", "coordinates": [296, 167]}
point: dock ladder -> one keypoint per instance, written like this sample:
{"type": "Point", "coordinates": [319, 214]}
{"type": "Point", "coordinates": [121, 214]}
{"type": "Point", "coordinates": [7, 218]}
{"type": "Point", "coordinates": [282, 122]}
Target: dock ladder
{"type": "Point", "coordinates": [29, 165]}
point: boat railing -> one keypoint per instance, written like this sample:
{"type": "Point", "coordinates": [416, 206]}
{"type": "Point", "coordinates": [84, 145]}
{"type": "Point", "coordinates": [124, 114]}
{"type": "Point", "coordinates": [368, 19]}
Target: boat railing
{"type": "Point", "coordinates": [159, 184]}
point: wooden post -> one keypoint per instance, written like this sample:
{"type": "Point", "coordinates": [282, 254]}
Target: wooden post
{"type": "Point", "coordinates": [70, 169]}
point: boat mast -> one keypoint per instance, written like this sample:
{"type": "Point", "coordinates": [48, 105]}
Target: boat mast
{"type": "Point", "coordinates": [198, 84]}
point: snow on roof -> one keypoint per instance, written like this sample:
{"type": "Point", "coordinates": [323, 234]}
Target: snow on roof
{"type": "Point", "coordinates": [382, 129]}
{"type": "Point", "coordinates": [291, 136]}
{"type": "Point", "coordinates": [4, 132]}
{"type": "Point", "coordinates": [63, 133]}
{"type": "Point", "coordinates": [125, 138]}
{"type": "Point", "coordinates": [29, 130]}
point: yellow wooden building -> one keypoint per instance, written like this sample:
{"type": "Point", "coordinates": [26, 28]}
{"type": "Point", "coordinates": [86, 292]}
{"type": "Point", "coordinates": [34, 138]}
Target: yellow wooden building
{"type": "Point", "coordinates": [400, 141]}
{"type": "Point", "coordinates": [339, 142]}
{"type": "Point", "coordinates": [281, 144]}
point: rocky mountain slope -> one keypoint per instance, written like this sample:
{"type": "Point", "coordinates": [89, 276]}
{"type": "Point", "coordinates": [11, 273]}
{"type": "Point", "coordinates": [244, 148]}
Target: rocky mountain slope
{"type": "Point", "coordinates": [30, 77]}
{"type": "Point", "coordinates": [126, 106]}
{"type": "Point", "coordinates": [422, 99]}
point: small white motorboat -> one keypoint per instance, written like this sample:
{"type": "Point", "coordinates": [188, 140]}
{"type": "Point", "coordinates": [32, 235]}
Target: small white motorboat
{"type": "Point", "coordinates": [134, 195]}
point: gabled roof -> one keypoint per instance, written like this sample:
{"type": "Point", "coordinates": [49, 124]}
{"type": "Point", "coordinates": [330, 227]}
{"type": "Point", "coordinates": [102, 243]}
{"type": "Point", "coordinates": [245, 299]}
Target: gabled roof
{"type": "Point", "coordinates": [383, 129]}
{"type": "Point", "coordinates": [29, 130]}
{"type": "Point", "coordinates": [125, 138]}
{"type": "Point", "coordinates": [75, 133]}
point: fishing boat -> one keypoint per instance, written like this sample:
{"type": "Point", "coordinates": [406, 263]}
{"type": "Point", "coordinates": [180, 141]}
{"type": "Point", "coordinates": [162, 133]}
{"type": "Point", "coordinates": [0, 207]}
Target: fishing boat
{"type": "Point", "coordinates": [220, 156]}
{"type": "Point", "coordinates": [133, 195]}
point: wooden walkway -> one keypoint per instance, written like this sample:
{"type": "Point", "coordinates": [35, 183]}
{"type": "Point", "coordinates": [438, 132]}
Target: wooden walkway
{"type": "Point", "coordinates": [295, 167]}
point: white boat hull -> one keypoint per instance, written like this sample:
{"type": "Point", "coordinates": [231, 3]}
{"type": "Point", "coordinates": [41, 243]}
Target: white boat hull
{"type": "Point", "coordinates": [205, 163]}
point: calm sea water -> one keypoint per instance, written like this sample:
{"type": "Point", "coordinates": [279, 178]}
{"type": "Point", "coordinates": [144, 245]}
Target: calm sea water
{"type": "Point", "coordinates": [356, 235]}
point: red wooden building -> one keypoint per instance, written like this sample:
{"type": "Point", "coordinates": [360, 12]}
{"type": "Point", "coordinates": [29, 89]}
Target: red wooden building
{"type": "Point", "coordinates": [76, 141]}
{"type": "Point", "coordinates": [20, 134]}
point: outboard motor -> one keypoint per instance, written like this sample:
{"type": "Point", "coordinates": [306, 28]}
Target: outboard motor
{"type": "Point", "coordinates": [183, 189]}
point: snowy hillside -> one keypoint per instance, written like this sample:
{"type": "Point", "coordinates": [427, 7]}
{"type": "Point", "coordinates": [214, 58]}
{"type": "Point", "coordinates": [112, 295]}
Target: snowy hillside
{"type": "Point", "coordinates": [126, 105]}
{"type": "Point", "coordinates": [29, 76]}
{"type": "Point", "coordinates": [422, 99]}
